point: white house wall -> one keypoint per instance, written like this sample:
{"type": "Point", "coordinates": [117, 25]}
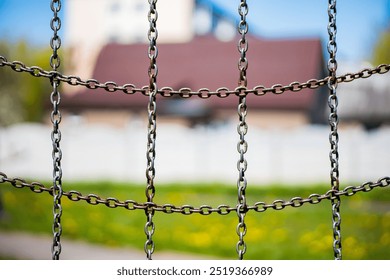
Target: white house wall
{"type": "Point", "coordinates": [91, 24]}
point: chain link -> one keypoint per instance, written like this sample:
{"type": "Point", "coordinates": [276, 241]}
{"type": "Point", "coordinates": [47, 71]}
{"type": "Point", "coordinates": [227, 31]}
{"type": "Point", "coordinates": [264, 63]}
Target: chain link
{"type": "Point", "coordinates": [333, 136]}
{"type": "Point", "coordinates": [203, 93]}
{"type": "Point", "coordinates": [151, 143]}
{"type": "Point", "coordinates": [129, 204]}
{"type": "Point", "coordinates": [55, 41]}
{"type": "Point", "coordinates": [242, 147]}
{"type": "Point", "coordinates": [55, 117]}
{"type": "Point", "coordinates": [332, 100]}
{"type": "Point", "coordinates": [242, 43]}
{"type": "Point", "coordinates": [242, 128]}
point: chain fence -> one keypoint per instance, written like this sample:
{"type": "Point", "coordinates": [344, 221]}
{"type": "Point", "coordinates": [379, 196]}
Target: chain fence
{"type": "Point", "coordinates": [333, 195]}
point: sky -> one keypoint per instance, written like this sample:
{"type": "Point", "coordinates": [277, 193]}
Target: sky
{"type": "Point", "coordinates": [359, 22]}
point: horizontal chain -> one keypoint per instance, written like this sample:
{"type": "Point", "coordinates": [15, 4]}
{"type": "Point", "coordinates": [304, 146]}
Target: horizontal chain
{"type": "Point", "coordinates": [204, 93]}
{"type": "Point", "coordinates": [223, 209]}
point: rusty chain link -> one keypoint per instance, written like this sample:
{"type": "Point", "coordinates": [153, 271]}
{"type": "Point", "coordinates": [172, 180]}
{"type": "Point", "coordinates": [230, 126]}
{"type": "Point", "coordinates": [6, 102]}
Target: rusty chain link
{"type": "Point", "coordinates": [151, 143]}
{"type": "Point", "coordinates": [55, 117]}
{"type": "Point", "coordinates": [333, 135]}
{"type": "Point", "coordinates": [242, 128]}
{"type": "Point", "coordinates": [129, 204]}
{"type": "Point", "coordinates": [203, 93]}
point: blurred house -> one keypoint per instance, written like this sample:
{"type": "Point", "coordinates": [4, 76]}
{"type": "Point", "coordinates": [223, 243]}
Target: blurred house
{"type": "Point", "coordinates": [209, 63]}
{"type": "Point", "coordinates": [197, 48]}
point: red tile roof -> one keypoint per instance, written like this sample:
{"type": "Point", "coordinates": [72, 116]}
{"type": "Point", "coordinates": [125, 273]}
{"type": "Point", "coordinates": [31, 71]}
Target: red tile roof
{"type": "Point", "coordinates": [207, 62]}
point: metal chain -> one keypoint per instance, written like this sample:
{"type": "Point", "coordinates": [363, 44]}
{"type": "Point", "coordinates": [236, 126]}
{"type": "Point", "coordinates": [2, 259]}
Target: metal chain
{"type": "Point", "coordinates": [242, 128]}
{"type": "Point", "coordinates": [203, 93]}
{"type": "Point", "coordinates": [55, 118]}
{"type": "Point", "coordinates": [243, 43]}
{"type": "Point", "coordinates": [333, 136]}
{"type": "Point", "coordinates": [151, 152]}
{"type": "Point", "coordinates": [150, 207]}
{"type": "Point", "coordinates": [129, 204]}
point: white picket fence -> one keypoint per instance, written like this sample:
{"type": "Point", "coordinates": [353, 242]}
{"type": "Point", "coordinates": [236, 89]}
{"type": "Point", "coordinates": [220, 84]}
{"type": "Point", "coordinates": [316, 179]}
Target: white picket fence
{"type": "Point", "coordinates": [194, 155]}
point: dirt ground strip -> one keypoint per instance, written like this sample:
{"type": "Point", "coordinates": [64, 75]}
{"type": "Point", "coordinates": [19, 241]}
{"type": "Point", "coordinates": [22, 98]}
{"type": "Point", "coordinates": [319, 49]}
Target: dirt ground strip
{"type": "Point", "coordinates": [25, 246]}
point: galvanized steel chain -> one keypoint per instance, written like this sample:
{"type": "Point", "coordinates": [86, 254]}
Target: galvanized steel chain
{"type": "Point", "coordinates": [242, 128]}
{"type": "Point", "coordinates": [243, 43]}
{"type": "Point", "coordinates": [333, 136]}
{"type": "Point", "coordinates": [55, 98]}
{"type": "Point", "coordinates": [129, 204]}
{"type": "Point", "coordinates": [151, 144]}
{"type": "Point", "coordinates": [203, 93]}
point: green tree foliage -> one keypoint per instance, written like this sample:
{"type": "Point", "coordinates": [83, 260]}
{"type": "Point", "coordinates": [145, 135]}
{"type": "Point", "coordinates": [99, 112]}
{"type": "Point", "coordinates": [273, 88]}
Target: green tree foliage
{"type": "Point", "coordinates": [382, 49]}
{"type": "Point", "coordinates": [22, 96]}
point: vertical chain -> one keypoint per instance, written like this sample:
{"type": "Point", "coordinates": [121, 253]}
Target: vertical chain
{"type": "Point", "coordinates": [333, 122]}
{"type": "Point", "coordinates": [55, 118]}
{"type": "Point", "coordinates": [243, 43]}
{"type": "Point", "coordinates": [242, 128]}
{"type": "Point", "coordinates": [151, 152]}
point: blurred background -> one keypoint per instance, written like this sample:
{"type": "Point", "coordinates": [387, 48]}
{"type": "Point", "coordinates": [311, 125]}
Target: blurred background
{"type": "Point", "coordinates": [104, 134]}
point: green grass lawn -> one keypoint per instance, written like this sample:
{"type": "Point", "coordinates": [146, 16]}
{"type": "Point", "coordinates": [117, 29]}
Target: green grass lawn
{"type": "Point", "coordinates": [293, 233]}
